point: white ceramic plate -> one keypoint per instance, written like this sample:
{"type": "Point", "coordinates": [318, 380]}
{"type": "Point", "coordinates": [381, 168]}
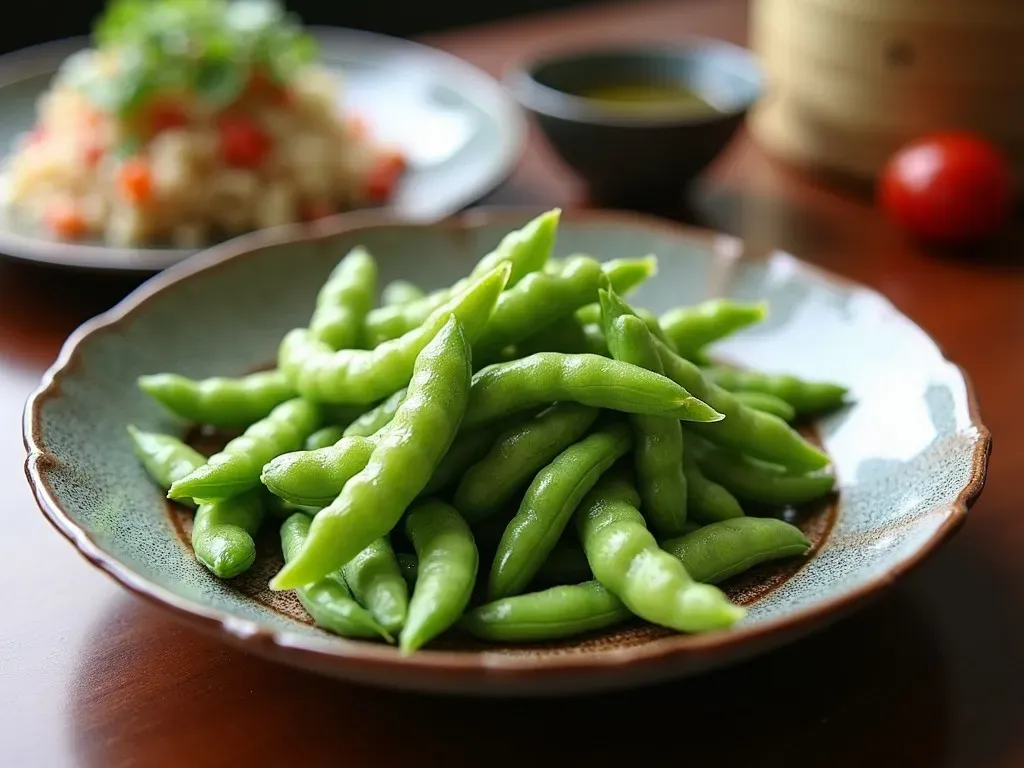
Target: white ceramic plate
{"type": "Point", "coordinates": [461, 131]}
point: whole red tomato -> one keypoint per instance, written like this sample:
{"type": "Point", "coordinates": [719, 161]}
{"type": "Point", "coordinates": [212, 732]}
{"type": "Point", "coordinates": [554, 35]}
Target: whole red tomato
{"type": "Point", "coordinates": [948, 188]}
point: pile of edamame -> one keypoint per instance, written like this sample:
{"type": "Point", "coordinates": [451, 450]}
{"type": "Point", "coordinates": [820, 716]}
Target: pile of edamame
{"type": "Point", "coordinates": [522, 454]}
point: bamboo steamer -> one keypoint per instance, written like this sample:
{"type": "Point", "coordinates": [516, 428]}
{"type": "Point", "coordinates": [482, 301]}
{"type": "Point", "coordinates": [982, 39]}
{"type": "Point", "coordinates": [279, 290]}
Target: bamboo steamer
{"type": "Point", "coordinates": [849, 81]}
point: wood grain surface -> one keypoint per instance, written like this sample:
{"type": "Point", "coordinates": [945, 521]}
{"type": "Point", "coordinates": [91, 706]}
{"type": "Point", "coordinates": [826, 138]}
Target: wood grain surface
{"type": "Point", "coordinates": [930, 675]}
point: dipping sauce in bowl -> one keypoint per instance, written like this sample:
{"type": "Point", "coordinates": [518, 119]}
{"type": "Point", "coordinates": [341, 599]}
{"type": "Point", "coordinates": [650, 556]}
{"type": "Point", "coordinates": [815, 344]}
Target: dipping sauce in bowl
{"type": "Point", "coordinates": [648, 98]}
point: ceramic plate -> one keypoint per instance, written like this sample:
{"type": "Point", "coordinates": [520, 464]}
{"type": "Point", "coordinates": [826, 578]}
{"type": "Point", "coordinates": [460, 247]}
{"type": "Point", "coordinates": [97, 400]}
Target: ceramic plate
{"type": "Point", "coordinates": [460, 130]}
{"type": "Point", "coordinates": [910, 452]}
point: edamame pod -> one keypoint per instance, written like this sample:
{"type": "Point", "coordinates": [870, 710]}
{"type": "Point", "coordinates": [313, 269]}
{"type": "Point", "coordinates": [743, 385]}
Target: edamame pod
{"type": "Point", "coordinates": [366, 376]}
{"type": "Point", "coordinates": [538, 300]}
{"type": "Point", "coordinates": [376, 418]}
{"type": "Point", "coordinates": [561, 611]}
{"type": "Point", "coordinates": [223, 533]}
{"type": "Point", "coordinates": [548, 505]}
{"type": "Point", "coordinates": [399, 292]}
{"type": "Point", "coordinates": [657, 441]}
{"type": "Point", "coordinates": [237, 467]}
{"type": "Point", "coordinates": [706, 501]}
{"type": "Point", "coordinates": [761, 401]}
{"type": "Point", "coordinates": [219, 401]}
{"type": "Point", "coordinates": [165, 458]}
{"type": "Point", "coordinates": [548, 377]}
{"type": "Point", "coordinates": [743, 429]}
{"type": "Point", "coordinates": [315, 478]}
{"type": "Point", "coordinates": [517, 455]}
{"type": "Point", "coordinates": [803, 396]}
{"type": "Point", "coordinates": [758, 481]}
{"type": "Point", "coordinates": [721, 550]}
{"type": "Point", "coordinates": [324, 437]}
{"type": "Point", "coordinates": [328, 600]}
{"type": "Point", "coordinates": [344, 300]}
{"type": "Point", "coordinates": [710, 555]}
{"type": "Point", "coordinates": [402, 461]}
{"type": "Point", "coordinates": [693, 328]}
{"type": "Point", "coordinates": [377, 584]}
{"type": "Point", "coordinates": [447, 564]}
{"type": "Point", "coordinates": [626, 559]}
{"type": "Point", "coordinates": [525, 251]}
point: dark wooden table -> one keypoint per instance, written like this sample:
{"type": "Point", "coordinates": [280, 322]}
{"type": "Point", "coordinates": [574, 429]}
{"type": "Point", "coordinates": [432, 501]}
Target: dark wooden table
{"type": "Point", "coordinates": [933, 674]}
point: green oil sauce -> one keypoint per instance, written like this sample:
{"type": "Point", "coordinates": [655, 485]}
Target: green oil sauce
{"type": "Point", "coordinates": [648, 98]}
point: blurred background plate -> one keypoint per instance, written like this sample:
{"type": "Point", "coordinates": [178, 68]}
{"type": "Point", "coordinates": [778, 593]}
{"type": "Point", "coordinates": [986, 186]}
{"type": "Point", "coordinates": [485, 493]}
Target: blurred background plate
{"type": "Point", "coordinates": [461, 133]}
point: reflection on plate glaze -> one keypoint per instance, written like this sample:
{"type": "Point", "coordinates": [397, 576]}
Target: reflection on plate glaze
{"type": "Point", "coordinates": [412, 112]}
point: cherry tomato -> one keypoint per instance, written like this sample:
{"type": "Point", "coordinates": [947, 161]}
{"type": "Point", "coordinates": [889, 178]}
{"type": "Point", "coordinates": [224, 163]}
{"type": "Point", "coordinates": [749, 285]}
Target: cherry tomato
{"type": "Point", "coordinates": [92, 154]}
{"type": "Point", "coordinates": [948, 188]}
{"type": "Point", "coordinates": [65, 220]}
{"type": "Point", "coordinates": [243, 144]}
{"type": "Point", "coordinates": [135, 181]}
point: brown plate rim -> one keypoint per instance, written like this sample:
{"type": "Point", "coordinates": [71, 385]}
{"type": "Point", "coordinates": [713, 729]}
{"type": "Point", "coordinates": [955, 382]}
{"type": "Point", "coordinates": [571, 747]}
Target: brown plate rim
{"type": "Point", "coordinates": [484, 666]}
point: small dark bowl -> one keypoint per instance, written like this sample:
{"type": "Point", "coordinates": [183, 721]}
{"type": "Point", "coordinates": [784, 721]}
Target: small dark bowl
{"type": "Point", "coordinates": [641, 159]}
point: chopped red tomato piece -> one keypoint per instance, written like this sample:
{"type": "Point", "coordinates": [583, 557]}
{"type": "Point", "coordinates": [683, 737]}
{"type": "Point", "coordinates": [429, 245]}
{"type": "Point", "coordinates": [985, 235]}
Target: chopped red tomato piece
{"type": "Point", "coordinates": [65, 220]}
{"type": "Point", "coordinates": [263, 87]}
{"type": "Point", "coordinates": [385, 174]}
{"type": "Point", "coordinates": [92, 155]}
{"type": "Point", "coordinates": [135, 181]}
{"type": "Point", "coordinates": [164, 115]}
{"type": "Point", "coordinates": [243, 144]}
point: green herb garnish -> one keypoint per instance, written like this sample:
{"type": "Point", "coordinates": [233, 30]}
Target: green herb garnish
{"type": "Point", "coordinates": [208, 48]}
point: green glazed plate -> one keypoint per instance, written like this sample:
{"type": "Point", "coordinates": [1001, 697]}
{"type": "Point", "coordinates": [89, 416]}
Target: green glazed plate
{"type": "Point", "coordinates": [460, 130]}
{"type": "Point", "coordinates": [910, 450]}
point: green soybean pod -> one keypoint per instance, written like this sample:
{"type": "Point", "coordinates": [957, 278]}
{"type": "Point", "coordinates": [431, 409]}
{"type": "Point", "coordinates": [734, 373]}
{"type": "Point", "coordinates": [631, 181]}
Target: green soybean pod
{"type": "Point", "coordinates": [403, 459]}
{"type": "Point", "coordinates": [219, 401]}
{"type": "Point", "coordinates": [538, 300]}
{"type": "Point", "coordinates": [548, 377]}
{"type": "Point", "coordinates": [447, 563]}
{"type": "Point", "coordinates": [743, 429]}
{"type": "Point", "coordinates": [624, 557]}
{"type": "Point", "coordinates": [706, 501]}
{"type": "Point", "coordinates": [328, 600]}
{"type": "Point", "coordinates": [560, 611]}
{"type": "Point", "coordinates": [548, 506]}
{"type": "Point", "coordinates": [804, 396]}
{"type": "Point", "coordinates": [165, 458]}
{"type": "Point", "coordinates": [324, 437]}
{"type": "Point", "coordinates": [223, 532]}
{"type": "Point", "coordinates": [563, 335]}
{"type": "Point", "coordinates": [710, 555]}
{"type": "Point", "coordinates": [315, 478]}
{"type": "Point", "coordinates": [466, 449]}
{"type": "Point", "coordinates": [758, 481]}
{"type": "Point", "coordinates": [399, 292]}
{"type": "Point", "coordinates": [517, 455]}
{"type": "Point", "coordinates": [761, 401]}
{"type": "Point", "coordinates": [693, 328]}
{"type": "Point", "coordinates": [718, 551]}
{"type": "Point", "coordinates": [377, 417]}
{"type": "Point", "coordinates": [657, 441]}
{"type": "Point", "coordinates": [236, 468]}
{"type": "Point", "coordinates": [378, 585]}
{"type": "Point", "coordinates": [525, 250]}
{"type": "Point", "coordinates": [344, 300]}
{"type": "Point", "coordinates": [366, 376]}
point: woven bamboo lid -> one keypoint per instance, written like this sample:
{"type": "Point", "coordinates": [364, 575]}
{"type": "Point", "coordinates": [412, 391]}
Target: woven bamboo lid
{"type": "Point", "coordinates": [849, 81]}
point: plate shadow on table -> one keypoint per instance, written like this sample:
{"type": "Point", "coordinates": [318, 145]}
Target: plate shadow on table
{"type": "Point", "coordinates": [72, 296]}
{"type": "Point", "coordinates": [151, 690]}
